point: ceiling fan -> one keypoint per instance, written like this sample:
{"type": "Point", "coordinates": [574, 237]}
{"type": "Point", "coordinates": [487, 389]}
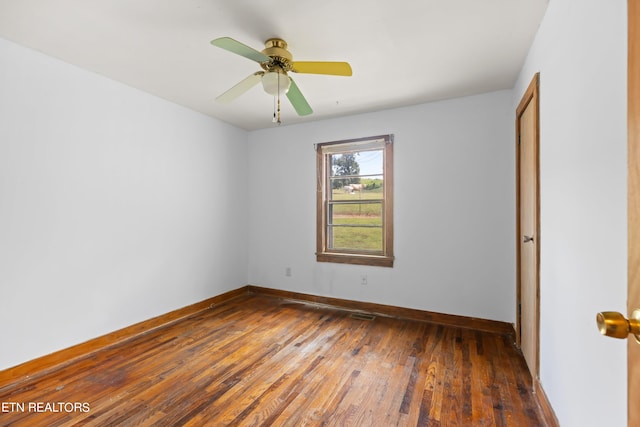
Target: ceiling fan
{"type": "Point", "coordinates": [277, 61]}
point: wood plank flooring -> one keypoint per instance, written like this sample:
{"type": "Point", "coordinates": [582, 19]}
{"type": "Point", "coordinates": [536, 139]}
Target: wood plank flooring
{"type": "Point", "coordinates": [261, 361]}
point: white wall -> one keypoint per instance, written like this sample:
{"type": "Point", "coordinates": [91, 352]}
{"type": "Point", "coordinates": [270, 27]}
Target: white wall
{"type": "Point", "coordinates": [454, 208]}
{"type": "Point", "coordinates": [115, 206]}
{"type": "Point", "coordinates": [580, 51]}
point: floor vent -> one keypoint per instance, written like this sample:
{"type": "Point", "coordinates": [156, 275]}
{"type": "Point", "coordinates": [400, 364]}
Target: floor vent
{"type": "Point", "coordinates": [362, 316]}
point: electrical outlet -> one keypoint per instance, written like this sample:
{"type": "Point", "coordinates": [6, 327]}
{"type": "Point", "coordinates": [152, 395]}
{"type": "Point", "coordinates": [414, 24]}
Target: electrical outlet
{"type": "Point", "coordinates": [363, 280]}
{"type": "Point", "coordinates": [287, 272]}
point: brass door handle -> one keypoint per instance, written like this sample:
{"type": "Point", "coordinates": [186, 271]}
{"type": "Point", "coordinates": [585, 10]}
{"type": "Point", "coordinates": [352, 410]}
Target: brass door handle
{"type": "Point", "coordinates": [527, 239]}
{"type": "Point", "coordinates": [615, 325]}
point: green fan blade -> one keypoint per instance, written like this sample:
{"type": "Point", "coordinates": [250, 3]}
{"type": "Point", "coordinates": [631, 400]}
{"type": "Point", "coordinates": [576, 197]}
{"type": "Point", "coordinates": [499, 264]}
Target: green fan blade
{"type": "Point", "coordinates": [227, 43]}
{"type": "Point", "coordinates": [296, 98]}
{"type": "Point", "coordinates": [240, 88]}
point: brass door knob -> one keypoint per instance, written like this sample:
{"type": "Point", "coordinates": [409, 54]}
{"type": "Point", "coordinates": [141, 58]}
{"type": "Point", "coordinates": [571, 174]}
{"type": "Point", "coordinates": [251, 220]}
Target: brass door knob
{"type": "Point", "coordinates": [615, 325]}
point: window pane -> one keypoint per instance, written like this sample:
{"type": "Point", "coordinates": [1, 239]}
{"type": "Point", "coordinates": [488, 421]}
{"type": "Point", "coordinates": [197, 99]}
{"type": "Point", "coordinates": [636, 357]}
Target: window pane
{"type": "Point", "coordinates": [357, 173]}
{"type": "Point", "coordinates": [358, 238]}
{"type": "Point", "coordinates": [357, 214]}
{"type": "Point", "coordinates": [370, 187]}
{"type": "Point", "coordinates": [357, 163]}
{"type": "Point", "coordinates": [370, 162]}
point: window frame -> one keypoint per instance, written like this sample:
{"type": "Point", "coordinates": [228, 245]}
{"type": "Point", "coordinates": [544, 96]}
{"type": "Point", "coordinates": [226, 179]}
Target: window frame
{"type": "Point", "coordinates": [324, 254]}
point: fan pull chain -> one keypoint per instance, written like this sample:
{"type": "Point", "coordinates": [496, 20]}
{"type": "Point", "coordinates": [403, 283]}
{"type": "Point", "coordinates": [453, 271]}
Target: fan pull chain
{"type": "Point", "coordinates": [276, 110]}
{"type": "Point", "coordinates": [276, 119]}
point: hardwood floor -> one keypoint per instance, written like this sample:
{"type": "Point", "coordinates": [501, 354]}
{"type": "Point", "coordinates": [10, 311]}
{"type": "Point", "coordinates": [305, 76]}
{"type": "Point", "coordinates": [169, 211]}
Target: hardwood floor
{"type": "Point", "coordinates": [259, 360]}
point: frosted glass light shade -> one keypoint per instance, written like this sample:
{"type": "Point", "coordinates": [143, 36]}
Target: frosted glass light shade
{"type": "Point", "coordinates": [271, 85]}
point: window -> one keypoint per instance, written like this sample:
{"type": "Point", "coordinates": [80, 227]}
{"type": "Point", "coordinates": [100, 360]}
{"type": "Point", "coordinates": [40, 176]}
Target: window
{"type": "Point", "coordinates": [355, 201]}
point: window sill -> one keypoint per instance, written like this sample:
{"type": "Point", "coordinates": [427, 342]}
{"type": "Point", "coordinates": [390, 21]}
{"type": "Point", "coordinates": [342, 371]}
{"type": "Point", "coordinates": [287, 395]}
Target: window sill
{"type": "Point", "coordinates": [373, 260]}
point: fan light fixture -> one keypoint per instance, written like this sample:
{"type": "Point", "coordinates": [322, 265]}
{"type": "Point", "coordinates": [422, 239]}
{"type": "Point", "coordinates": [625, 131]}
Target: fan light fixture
{"type": "Point", "coordinates": [276, 83]}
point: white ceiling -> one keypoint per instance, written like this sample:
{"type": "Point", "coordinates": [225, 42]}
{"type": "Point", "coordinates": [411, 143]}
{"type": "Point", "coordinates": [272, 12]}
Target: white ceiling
{"type": "Point", "coordinates": [402, 52]}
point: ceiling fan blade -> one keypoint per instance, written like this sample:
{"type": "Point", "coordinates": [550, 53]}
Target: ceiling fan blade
{"type": "Point", "coordinates": [240, 88]}
{"type": "Point", "coordinates": [227, 43]}
{"type": "Point", "coordinates": [298, 101]}
{"type": "Point", "coordinates": [333, 68]}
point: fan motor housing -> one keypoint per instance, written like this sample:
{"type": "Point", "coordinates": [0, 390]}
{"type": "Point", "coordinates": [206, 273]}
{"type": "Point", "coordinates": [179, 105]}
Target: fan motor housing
{"type": "Point", "coordinates": [281, 58]}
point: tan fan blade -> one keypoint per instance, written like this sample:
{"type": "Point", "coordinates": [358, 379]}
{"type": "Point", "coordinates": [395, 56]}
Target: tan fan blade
{"type": "Point", "coordinates": [240, 88]}
{"type": "Point", "coordinates": [332, 68]}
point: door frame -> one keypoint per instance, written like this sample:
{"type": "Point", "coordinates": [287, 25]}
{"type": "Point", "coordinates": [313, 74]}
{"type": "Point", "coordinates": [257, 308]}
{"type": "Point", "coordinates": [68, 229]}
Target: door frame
{"type": "Point", "coordinates": [530, 95]}
{"type": "Point", "coordinates": [633, 203]}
